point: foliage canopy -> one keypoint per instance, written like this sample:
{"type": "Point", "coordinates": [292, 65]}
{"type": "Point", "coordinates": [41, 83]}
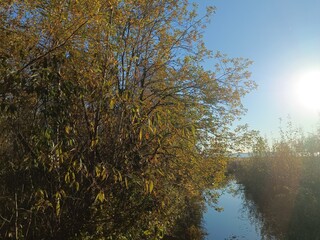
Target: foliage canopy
{"type": "Point", "coordinates": [109, 122]}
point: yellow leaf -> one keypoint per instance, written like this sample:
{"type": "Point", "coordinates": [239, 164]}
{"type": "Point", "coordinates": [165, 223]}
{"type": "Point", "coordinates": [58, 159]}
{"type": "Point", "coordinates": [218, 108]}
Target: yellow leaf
{"type": "Point", "coordinates": [104, 173]}
{"type": "Point", "coordinates": [58, 197]}
{"type": "Point", "coordinates": [111, 104]}
{"type": "Point", "coordinates": [120, 176]}
{"type": "Point", "coordinates": [150, 186]}
{"type": "Point", "coordinates": [126, 182]}
{"type": "Point", "coordinates": [94, 142]}
{"type": "Point", "coordinates": [97, 171]}
{"type": "Point", "coordinates": [77, 186]}
{"type": "Point", "coordinates": [100, 197]}
{"type": "Point", "coordinates": [140, 134]}
{"type": "Point", "coordinates": [67, 129]}
{"type": "Point", "coordinates": [67, 177]}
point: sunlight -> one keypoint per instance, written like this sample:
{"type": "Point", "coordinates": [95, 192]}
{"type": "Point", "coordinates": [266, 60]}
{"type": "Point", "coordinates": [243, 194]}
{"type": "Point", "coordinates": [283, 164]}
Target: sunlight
{"type": "Point", "coordinates": [307, 90]}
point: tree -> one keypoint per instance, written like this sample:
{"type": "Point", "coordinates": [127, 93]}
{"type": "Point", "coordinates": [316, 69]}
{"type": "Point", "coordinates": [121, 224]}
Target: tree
{"type": "Point", "coordinates": [110, 123]}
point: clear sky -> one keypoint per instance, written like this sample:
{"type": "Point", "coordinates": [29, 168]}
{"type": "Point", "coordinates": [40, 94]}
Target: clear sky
{"type": "Point", "coordinates": [282, 37]}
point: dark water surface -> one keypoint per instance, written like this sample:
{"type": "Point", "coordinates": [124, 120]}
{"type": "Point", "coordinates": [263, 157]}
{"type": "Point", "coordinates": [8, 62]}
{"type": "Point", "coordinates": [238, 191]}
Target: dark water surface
{"type": "Point", "coordinates": [234, 222]}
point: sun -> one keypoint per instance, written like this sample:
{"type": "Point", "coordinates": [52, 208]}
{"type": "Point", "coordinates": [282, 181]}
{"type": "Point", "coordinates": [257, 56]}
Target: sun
{"type": "Point", "coordinates": [307, 90]}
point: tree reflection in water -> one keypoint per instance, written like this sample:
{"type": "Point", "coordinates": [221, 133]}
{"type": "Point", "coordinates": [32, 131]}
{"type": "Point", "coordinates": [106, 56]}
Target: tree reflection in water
{"type": "Point", "coordinates": [283, 193]}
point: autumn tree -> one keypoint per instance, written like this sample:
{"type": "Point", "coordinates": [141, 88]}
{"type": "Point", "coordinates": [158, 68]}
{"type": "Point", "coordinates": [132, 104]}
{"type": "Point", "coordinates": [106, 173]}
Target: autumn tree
{"type": "Point", "coordinates": [109, 122]}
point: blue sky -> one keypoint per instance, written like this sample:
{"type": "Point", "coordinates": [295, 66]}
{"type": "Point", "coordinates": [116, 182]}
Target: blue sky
{"type": "Point", "coordinates": [282, 37]}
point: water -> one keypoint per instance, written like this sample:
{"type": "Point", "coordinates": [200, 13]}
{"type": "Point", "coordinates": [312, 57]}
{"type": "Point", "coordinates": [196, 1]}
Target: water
{"type": "Point", "coordinates": [234, 222]}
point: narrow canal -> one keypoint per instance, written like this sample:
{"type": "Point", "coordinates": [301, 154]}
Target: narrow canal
{"type": "Point", "coordinates": [234, 221]}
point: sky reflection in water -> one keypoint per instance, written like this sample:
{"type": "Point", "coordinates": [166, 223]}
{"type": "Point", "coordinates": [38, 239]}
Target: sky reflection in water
{"type": "Point", "coordinates": [234, 221]}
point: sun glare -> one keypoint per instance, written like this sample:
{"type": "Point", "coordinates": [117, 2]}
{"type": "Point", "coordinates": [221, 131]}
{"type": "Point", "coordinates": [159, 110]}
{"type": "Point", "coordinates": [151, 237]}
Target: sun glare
{"type": "Point", "coordinates": [307, 90]}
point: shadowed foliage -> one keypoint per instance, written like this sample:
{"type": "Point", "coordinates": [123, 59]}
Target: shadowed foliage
{"type": "Point", "coordinates": [110, 125]}
{"type": "Point", "coordinates": [283, 183]}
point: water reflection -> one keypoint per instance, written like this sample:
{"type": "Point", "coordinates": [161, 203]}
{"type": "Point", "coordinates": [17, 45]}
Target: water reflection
{"type": "Point", "coordinates": [234, 222]}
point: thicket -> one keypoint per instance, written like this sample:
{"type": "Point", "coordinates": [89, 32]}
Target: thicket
{"type": "Point", "coordinates": [283, 182]}
{"type": "Point", "coordinates": [109, 124]}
